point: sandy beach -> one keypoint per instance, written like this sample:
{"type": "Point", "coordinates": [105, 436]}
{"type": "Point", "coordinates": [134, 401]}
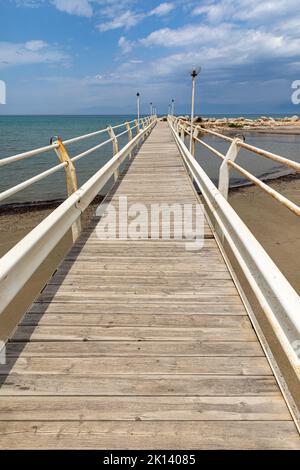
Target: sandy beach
{"type": "Point", "coordinates": [276, 228]}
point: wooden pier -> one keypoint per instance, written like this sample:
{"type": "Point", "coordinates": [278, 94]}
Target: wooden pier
{"type": "Point", "coordinates": [140, 343]}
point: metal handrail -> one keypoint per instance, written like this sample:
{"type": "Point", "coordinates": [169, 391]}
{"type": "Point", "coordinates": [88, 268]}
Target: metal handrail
{"type": "Point", "coordinates": [263, 153]}
{"type": "Point", "coordinates": [230, 162]}
{"type": "Point", "coordinates": [277, 298]}
{"type": "Point", "coordinates": [18, 265]}
{"type": "Point", "coordinates": [48, 148]}
{"type": "Point", "coordinates": [25, 184]}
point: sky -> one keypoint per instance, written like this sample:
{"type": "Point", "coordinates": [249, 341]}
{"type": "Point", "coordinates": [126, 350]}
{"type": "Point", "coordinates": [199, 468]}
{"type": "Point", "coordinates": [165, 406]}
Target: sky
{"type": "Point", "coordinates": [92, 56]}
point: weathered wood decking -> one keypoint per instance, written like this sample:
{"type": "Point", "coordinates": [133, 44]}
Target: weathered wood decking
{"type": "Point", "coordinates": [141, 344]}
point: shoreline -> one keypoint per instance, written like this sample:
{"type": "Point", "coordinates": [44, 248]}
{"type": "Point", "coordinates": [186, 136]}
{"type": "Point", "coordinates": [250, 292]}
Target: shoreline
{"type": "Point", "coordinates": [262, 124]}
{"type": "Point", "coordinates": [35, 206]}
{"type": "Point", "coordinates": [32, 206]}
{"type": "Point", "coordinates": [265, 130]}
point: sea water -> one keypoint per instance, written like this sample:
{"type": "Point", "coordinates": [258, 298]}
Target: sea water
{"type": "Point", "coordinates": [21, 133]}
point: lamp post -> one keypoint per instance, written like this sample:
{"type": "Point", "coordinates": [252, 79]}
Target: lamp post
{"type": "Point", "coordinates": [194, 74]}
{"type": "Point", "coordinates": [151, 109]}
{"type": "Point", "coordinates": [173, 108]}
{"type": "Point", "coordinates": [138, 109]}
{"type": "Point", "coordinates": [169, 109]}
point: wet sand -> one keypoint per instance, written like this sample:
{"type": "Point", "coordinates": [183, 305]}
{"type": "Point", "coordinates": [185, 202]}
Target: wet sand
{"type": "Point", "coordinates": [276, 228]}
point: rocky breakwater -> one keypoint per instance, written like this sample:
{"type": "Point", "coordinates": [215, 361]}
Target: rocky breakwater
{"type": "Point", "coordinates": [263, 122]}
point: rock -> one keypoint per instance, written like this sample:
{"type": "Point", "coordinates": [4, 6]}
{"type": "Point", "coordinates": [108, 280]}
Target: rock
{"type": "Point", "coordinates": [263, 118]}
{"type": "Point", "coordinates": [295, 118]}
{"type": "Point", "coordinates": [236, 124]}
{"type": "Point", "coordinates": [197, 119]}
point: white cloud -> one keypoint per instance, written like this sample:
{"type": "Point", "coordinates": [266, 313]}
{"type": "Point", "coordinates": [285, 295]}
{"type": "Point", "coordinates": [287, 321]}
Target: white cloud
{"type": "Point", "coordinates": [219, 48]}
{"type": "Point", "coordinates": [125, 45]}
{"type": "Point", "coordinates": [126, 20]}
{"type": "Point", "coordinates": [29, 3]}
{"type": "Point", "coordinates": [31, 52]}
{"type": "Point", "coordinates": [245, 10]}
{"type": "Point", "coordinates": [186, 36]}
{"type": "Point", "coordinates": [162, 9]}
{"type": "Point", "coordinates": [35, 45]}
{"type": "Point", "coordinates": [74, 7]}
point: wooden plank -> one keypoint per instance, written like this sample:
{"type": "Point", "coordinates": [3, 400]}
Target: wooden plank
{"type": "Point", "coordinates": [92, 282]}
{"type": "Point", "coordinates": [141, 365]}
{"type": "Point", "coordinates": [135, 385]}
{"type": "Point", "coordinates": [204, 287]}
{"type": "Point", "coordinates": [138, 299]}
{"type": "Point", "coordinates": [226, 349]}
{"type": "Point", "coordinates": [142, 319]}
{"type": "Point", "coordinates": [144, 408]}
{"type": "Point", "coordinates": [149, 435]}
{"type": "Point", "coordinates": [95, 333]}
{"type": "Point", "coordinates": [152, 308]}
{"type": "Point", "coordinates": [136, 296]}
{"type": "Point", "coordinates": [165, 268]}
{"type": "Point", "coordinates": [95, 272]}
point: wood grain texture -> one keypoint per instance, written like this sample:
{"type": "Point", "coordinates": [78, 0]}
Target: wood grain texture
{"type": "Point", "coordinates": [141, 343]}
{"type": "Point", "coordinates": [150, 435]}
{"type": "Point", "coordinates": [87, 408]}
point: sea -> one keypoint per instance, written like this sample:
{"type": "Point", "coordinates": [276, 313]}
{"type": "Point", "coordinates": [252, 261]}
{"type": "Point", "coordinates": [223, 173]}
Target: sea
{"type": "Point", "coordinates": [22, 133]}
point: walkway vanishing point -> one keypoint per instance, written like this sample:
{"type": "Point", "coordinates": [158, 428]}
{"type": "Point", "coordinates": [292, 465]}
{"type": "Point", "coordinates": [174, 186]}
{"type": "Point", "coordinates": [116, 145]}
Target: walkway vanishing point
{"type": "Point", "coordinates": [141, 343]}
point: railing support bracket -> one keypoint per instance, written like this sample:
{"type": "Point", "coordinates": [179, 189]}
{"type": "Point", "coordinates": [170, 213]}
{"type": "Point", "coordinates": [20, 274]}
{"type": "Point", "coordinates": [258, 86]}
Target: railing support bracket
{"type": "Point", "coordinates": [71, 179]}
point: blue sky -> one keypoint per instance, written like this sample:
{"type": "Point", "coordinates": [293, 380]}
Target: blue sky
{"type": "Point", "coordinates": [92, 56]}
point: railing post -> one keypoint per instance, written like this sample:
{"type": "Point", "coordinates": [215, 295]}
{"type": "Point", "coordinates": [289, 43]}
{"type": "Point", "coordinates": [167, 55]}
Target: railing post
{"type": "Point", "coordinates": [129, 131]}
{"type": "Point", "coordinates": [143, 126]}
{"type": "Point", "coordinates": [112, 135]}
{"type": "Point", "coordinates": [136, 123]}
{"type": "Point", "coordinates": [182, 132]}
{"type": "Point", "coordinates": [194, 136]}
{"type": "Point", "coordinates": [129, 136]}
{"type": "Point", "coordinates": [71, 179]}
{"type": "Point", "coordinates": [224, 168]}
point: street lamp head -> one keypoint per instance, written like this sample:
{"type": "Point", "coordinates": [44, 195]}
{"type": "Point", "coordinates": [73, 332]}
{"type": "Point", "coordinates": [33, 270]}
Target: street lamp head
{"type": "Point", "coordinates": [137, 94]}
{"type": "Point", "coordinates": [195, 72]}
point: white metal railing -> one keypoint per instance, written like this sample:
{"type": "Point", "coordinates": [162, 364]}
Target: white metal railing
{"type": "Point", "coordinates": [236, 144]}
{"type": "Point", "coordinates": [276, 296]}
{"type": "Point", "coordinates": [67, 162]}
{"type": "Point", "coordinates": [18, 265]}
